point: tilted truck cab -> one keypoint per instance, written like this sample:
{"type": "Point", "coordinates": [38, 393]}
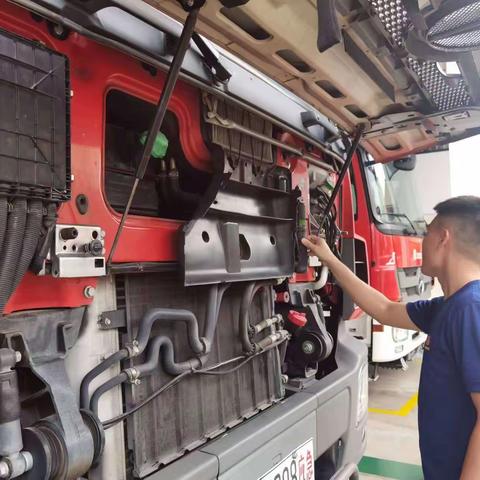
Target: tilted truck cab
{"type": "Point", "coordinates": [156, 188]}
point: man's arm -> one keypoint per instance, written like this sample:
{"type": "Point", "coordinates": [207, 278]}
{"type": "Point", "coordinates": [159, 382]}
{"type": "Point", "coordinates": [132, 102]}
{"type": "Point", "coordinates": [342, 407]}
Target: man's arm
{"type": "Point", "coordinates": [367, 298]}
{"type": "Point", "coordinates": [471, 464]}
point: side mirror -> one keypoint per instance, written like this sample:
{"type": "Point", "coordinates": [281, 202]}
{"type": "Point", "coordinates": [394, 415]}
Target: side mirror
{"type": "Point", "coordinates": [406, 164]}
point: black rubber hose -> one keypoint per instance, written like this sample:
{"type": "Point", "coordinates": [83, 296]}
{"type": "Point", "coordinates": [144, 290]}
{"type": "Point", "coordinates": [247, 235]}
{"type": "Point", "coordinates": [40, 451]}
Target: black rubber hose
{"type": "Point", "coordinates": [108, 385]}
{"type": "Point", "coordinates": [171, 194]}
{"type": "Point", "coordinates": [46, 238]}
{"type": "Point", "coordinates": [146, 323]}
{"type": "Point", "coordinates": [3, 219]}
{"type": "Point", "coordinates": [211, 315]}
{"type": "Point", "coordinates": [221, 292]}
{"type": "Point", "coordinates": [177, 196]}
{"type": "Point", "coordinates": [95, 372]}
{"type": "Point", "coordinates": [160, 344]}
{"type": "Point", "coordinates": [247, 345]}
{"type": "Point", "coordinates": [164, 345]}
{"type": "Point", "coordinates": [12, 249]}
{"type": "Point", "coordinates": [247, 298]}
{"type": "Point", "coordinates": [168, 314]}
{"type": "Point", "coordinates": [30, 241]}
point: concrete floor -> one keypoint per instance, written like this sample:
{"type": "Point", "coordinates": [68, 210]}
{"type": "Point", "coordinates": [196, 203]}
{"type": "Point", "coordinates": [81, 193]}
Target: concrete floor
{"type": "Point", "coordinates": [392, 436]}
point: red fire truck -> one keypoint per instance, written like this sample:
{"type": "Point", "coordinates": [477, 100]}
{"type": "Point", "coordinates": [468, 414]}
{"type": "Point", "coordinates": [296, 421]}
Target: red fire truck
{"type": "Point", "coordinates": [159, 164]}
{"type": "Point", "coordinates": [389, 227]}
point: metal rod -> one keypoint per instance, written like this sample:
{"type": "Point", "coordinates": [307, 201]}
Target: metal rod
{"type": "Point", "coordinates": [346, 166]}
{"type": "Point", "coordinates": [228, 124]}
{"type": "Point", "coordinates": [172, 77]}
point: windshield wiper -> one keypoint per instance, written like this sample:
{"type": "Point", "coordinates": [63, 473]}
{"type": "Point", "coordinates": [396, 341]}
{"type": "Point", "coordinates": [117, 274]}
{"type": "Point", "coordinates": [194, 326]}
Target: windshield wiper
{"type": "Point", "coordinates": [402, 215]}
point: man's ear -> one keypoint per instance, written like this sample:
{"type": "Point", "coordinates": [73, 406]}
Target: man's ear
{"type": "Point", "coordinates": [445, 236]}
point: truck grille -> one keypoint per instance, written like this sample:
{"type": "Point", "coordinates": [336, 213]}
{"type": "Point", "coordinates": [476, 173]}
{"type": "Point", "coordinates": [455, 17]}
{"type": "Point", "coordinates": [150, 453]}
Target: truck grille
{"type": "Point", "coordinates": [413, 284]}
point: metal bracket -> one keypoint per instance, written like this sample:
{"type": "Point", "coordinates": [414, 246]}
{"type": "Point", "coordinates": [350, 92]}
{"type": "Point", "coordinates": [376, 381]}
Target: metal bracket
{"type": "Point", "coordinates": [112, 319]}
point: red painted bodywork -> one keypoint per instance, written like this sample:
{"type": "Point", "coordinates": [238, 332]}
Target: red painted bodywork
{"type": "Point", "coordinates": [94, 70]}
{"type": "Point", "coordinates": [386, 252]}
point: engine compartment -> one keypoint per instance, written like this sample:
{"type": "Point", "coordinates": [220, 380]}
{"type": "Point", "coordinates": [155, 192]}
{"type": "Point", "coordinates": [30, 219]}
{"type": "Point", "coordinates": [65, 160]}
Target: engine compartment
{"type": "Point", "coordinates": [210, 311]}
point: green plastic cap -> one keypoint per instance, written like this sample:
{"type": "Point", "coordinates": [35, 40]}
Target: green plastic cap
{"type": "Point", "coordinates": [160, 144]}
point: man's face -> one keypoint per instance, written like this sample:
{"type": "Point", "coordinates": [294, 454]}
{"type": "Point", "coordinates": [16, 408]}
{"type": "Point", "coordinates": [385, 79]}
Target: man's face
{"type": "Point", "coordinates": [433, 249]}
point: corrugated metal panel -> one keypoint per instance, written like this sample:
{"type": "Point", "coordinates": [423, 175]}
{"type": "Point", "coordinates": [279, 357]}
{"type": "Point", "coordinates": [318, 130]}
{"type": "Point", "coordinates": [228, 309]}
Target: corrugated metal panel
{"type": "Point", "coordinates": [199, 407]}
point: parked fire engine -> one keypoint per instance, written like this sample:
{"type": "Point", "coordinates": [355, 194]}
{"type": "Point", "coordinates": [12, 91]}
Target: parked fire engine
{"type": "Point", "coordinates": [388, 252]}
{"type": "Point", "coordinates": [159, 164]}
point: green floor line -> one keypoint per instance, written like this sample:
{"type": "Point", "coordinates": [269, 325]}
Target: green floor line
{"type": "Point", "coordinates": [390, 469]}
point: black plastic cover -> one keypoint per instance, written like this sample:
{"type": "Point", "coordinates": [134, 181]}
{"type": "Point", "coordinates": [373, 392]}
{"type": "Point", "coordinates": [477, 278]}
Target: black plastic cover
{"type": "Point", "coordinates": [34, 120]}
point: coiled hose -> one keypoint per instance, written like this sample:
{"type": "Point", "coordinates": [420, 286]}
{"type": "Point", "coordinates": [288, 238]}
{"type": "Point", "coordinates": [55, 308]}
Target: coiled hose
{"type": "Point", "coordinates": [19, 233]}
{"type": "Point", "coordinates": [3, 219]}
{"type": "Point", "coordinates": [30, 240]}
{"type": "Point", "coordinates": [12, 249]}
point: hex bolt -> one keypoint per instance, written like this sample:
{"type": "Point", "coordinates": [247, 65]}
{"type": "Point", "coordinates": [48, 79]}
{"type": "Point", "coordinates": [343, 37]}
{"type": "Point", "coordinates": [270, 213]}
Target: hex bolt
{"type": "Point", "coordinates": [89, 291]}
{"type": "Point", "coordinates": [107, 322]}
{"type": "Point", "coordinates": [308, 347]}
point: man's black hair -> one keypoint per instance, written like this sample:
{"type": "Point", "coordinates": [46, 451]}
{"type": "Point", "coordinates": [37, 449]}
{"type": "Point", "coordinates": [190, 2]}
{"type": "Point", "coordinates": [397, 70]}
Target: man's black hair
{"type": "Point", "coordinates": [466, 205]}
{"type": "Point", "coordinates": [464, 213]}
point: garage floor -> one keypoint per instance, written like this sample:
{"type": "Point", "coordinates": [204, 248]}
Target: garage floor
{"type": "Point", "coordinates": [392, 445]}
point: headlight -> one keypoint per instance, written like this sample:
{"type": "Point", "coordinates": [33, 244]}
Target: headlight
{"type": "Point", "coordinates": [362, 405]}
{"type": "Point", "coordinates": [400, 334]}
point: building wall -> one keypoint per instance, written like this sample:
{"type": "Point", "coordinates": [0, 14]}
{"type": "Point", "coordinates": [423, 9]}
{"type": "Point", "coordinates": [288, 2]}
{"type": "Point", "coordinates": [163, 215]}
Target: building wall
{"type": "Point", "coordinates": [465, 167]}
{"type": "Point", "coordinates": [432, 176]}
{"type": "Point", "coordinates": [442, 175]}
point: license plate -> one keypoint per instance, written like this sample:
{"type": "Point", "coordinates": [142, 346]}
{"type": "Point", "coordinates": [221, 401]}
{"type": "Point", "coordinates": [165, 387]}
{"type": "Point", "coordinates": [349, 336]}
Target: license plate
{"type": "Point", "coordinates": [299, 465]}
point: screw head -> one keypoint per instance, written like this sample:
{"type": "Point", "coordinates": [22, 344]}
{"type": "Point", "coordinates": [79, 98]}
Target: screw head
{"type": "Point", "coordinates": [107, 322]}
{"type": "Point", "coordinates": [89, 291]}
{"type": "Point", "coordinates": [137, 381]}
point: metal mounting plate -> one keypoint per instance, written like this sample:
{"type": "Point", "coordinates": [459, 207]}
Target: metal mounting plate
{"type": "Point", "coordinates": [247, 233]}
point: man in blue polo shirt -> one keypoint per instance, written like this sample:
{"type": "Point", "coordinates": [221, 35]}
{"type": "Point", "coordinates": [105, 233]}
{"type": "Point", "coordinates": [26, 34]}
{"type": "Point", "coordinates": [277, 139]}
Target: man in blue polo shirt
{"type": "Point", "coordinates": [449, 394]}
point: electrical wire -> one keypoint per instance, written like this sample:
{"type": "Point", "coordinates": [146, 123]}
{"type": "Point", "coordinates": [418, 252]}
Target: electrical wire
{"type": "Point", "coordinates": [208, 371]}
{"type": "Point", "coordinates": [113, 421]}
{"type": "Point", "coordinates": [204, 371]}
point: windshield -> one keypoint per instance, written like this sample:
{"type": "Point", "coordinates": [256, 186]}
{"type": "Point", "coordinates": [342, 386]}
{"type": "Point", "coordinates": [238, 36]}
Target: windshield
{"type": "Point", "coordinates": [394, 199]}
